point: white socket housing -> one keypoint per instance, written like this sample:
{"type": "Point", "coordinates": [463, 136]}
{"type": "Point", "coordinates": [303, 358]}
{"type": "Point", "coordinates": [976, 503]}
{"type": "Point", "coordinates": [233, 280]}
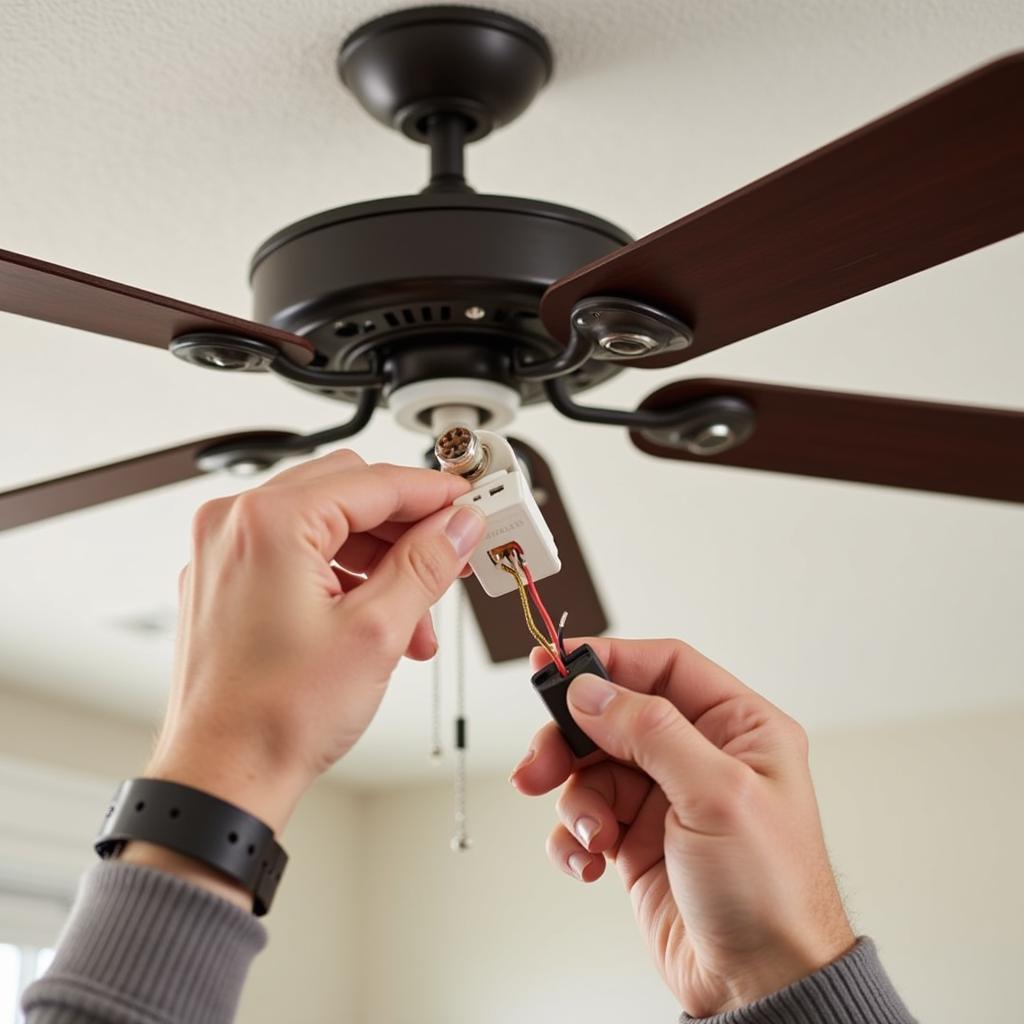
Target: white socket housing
{"type": "Point", "coordinates": [503, 494]}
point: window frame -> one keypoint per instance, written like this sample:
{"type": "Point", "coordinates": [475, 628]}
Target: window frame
{"type": "Point", "coordinates": [48, 817]}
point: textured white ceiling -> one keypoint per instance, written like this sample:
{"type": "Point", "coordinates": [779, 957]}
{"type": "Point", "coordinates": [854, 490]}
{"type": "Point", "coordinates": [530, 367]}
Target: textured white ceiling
{"type": "Point", "coordinates": [159, 143]}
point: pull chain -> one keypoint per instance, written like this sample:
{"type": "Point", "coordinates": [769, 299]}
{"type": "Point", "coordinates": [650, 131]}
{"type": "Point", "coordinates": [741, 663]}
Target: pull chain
{"type": "Point", "coordinates": [461, 840]}
{"type": "Point", "coordinates": [436, 747]}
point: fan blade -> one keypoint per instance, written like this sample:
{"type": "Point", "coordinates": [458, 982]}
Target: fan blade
{"type": "Point", "coordinates": [933, 180]}
{"type": "Point", "coordinates": [114, 480]}
{"type": "Point", "coordinates": [59, 295]}
{"type": "Point", "coordinates": [927, 446]}
{"type": "Point", "coordinates": [571, 590]}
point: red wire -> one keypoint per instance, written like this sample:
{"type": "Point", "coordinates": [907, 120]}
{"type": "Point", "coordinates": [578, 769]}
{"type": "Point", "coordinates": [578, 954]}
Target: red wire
{"type": "Point", "coordinates": [552, 632]}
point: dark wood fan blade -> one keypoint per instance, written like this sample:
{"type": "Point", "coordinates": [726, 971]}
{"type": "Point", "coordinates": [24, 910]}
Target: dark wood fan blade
{"type": "Point", "coordinates": [59, 295]}
{"type": "Point", "coordinates": [927, 446]}
{"type": "Point", "coordinates": [572, 590]}
{"type": "Point", "coordinates": [933, 180]}
{"type": "Point", "coordinates": [114, 480]}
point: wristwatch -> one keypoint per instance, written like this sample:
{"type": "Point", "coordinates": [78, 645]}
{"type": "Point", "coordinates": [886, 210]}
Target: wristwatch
{"type": "Point", "coordinates": [200, 826]}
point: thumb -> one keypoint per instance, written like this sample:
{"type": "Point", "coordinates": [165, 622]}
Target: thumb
{"type": "Point", "coordinates": [654, 735]}
{"type": "Point", "coordinates": [411, 577]}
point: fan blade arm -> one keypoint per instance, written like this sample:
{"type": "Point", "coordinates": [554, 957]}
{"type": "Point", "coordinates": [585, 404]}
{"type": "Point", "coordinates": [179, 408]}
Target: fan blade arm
{"type": "Point", "coordinates": [930, 446]}
{"type": "Point", "coordinates": [932, 181]}
{"type": "Point", "coordinates": [59, 295]}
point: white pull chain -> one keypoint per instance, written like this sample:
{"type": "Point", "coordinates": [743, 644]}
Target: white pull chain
{"type": "Point", "coordinates": [461, 840]}
{"type": "Point", "coordinates": [436, 668]}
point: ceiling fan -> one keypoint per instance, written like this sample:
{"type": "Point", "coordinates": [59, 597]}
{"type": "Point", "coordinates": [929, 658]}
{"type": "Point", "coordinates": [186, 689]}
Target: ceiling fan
{"type": "Point", "coordinates": [451, 302]}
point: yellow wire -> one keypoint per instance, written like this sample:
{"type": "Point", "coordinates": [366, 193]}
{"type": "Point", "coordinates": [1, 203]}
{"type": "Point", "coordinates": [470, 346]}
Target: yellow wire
{"type": "Point", "coordinates": [531, 625]}
{"type": "Point", "coordinates": [527, 612]}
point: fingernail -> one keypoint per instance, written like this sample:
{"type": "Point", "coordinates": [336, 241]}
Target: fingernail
{"type": "Point", "coordinates": [530, 756]}
{"type": "Point", "coordinates": [464, 529]}
{"type": "Point", "coordinates": [591, 694]}
{"type": "Point", "coordinates": [578, 863]}
{"type": "Point", "coordinates": [585, 829]}
{"type": "Point", "coordinates": [431, 632]}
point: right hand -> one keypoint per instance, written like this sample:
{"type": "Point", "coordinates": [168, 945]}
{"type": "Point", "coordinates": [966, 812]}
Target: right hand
{"type": "Point", "coordinates": [702, 798]}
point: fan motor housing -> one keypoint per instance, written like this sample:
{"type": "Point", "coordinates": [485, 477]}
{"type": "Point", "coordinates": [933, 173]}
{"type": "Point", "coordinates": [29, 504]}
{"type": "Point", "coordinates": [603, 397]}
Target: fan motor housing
{"type": "Point", "coordinates": [436, 284]}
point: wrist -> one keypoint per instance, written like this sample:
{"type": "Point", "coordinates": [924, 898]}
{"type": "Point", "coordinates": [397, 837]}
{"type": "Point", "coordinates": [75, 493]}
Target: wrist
{"type": "Point", "coordinates": [763, 974]}
{"type": "Point", "coordinates": [238, 774]}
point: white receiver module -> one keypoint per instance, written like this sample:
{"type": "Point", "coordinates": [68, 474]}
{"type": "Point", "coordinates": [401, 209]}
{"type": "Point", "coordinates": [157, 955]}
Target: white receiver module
{"type": "Point", "coordinates": [502, 492]}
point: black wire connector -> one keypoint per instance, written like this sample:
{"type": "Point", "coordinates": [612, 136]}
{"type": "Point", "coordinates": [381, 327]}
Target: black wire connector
{"type": "Point", "coordinates": [553, 688]}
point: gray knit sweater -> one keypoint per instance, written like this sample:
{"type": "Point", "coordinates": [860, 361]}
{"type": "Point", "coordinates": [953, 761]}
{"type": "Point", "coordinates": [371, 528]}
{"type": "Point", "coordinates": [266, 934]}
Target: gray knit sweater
{"type": "Point", "coordinates": [144, 947]}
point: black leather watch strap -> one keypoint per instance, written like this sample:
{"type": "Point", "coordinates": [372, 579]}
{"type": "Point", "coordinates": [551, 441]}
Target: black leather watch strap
{"type": "Point", "coordinates": [197, 825]}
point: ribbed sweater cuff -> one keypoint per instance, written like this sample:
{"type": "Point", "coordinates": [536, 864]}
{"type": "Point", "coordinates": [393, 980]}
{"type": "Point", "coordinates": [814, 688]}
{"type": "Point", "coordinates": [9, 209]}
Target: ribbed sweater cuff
{"type": "Point", "coordinates": [852, 990]}
{"type": "Point", "coordinates": [144, 947]}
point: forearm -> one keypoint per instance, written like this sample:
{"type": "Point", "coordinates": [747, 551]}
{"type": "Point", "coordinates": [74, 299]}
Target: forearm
{"type": "Point", "coordinates": [265, 698]}
{"type": "Point", "coordinates": [143, 946]}
{"type": "Point", "coordinates": [853, 988]}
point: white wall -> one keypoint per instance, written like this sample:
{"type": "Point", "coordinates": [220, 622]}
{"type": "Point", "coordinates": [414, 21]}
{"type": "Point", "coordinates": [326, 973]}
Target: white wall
{"type": "Point", "coordinates": [379, 921]}
{"type": "Point", "coordinates": [310, 970]}
{"type": "Point", "coordinates": [925, 821]}
{"type": "Point", "coordinates": [495, 933]}
{"type": "Point", "coordinates": [926, 826]}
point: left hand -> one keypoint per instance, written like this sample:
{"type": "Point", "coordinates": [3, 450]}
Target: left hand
{"type": "Point", "coordinates": [300, 599]}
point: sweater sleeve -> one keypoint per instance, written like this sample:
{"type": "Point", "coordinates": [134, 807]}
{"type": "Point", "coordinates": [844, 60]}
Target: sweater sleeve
{"type": "Point", "coordinates": [144, 947]}
{"type": "Point", "coordinates": [852, 990]}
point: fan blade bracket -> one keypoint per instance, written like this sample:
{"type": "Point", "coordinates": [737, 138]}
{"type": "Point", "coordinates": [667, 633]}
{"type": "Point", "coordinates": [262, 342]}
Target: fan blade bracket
{"type": "Point", "coordinates": [705, 425]}
{"type": "Point", "coordinates": [624, 328]}
{"type": "Point", "coordinates": [251, 455]}
{"type": "Point", "coordinates": [609, 329]}
{"type": "Point", "coordinates": [254, 453]}
{"type": "Point", "coordinates": [214, 351]}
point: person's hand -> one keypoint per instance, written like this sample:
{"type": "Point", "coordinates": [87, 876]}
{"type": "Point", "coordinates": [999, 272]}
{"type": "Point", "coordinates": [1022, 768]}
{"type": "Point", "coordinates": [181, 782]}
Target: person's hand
{"type": "Point", "coordinates": [702, 799]}
{"type": "Point", "coordinates": [300, 598]}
